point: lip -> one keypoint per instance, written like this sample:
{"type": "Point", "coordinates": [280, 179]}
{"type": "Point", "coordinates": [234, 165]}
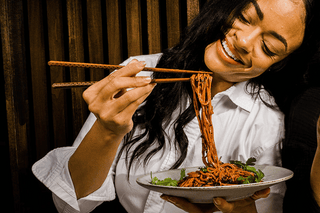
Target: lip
{"type": "Point", "coordinates": [224, 56]}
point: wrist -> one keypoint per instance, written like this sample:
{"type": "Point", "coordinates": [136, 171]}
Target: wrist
{"type": "Point", "coordinates": [106, 134]}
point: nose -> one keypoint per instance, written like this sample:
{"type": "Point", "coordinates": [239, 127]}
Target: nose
{"type": "Point", "coordinates": [246, 39]}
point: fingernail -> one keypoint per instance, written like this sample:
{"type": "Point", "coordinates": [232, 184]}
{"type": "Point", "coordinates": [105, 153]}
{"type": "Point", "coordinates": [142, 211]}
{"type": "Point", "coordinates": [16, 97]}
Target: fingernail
{"type": "Point", "coordinates": [147, 79]}
{"type": "Point", "coordinates": [141, 64]}
{"type": "Point", "coordinates": [133, 61]}
{"type": "Point", "coordinates": [217, 201]}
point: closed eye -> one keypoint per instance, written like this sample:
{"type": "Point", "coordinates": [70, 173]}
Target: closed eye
{"type": "Point", "coordinates": [267, 50]}
{"type": "Point", "coordinates": [243, 19]}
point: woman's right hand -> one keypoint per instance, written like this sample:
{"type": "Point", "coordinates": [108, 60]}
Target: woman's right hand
{"type": "Point", "coordinates": [112, 104]}
{"type": "Point", "coordinates": [114, 107]}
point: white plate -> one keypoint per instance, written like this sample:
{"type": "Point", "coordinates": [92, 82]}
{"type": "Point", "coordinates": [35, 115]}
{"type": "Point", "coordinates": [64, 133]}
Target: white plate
{"type": "Point", "coordinates": [273, 175]}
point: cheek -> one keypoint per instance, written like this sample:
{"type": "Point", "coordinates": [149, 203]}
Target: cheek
{"type": "Point", "coordinates": [258, 71]}
{"type": "Point", "coordinates": [260, 65]}
{"type": "Point", "coordinates": [253, 72]}
{"type": "Point", "coordinates": [209, 56]}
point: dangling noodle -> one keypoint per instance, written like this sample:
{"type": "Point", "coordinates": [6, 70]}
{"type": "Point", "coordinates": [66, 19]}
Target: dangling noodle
{"type": "Point", "coordinates": [216, 172]}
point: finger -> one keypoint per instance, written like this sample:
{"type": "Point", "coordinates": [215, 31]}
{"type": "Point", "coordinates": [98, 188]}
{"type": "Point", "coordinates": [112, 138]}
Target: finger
{"type": "Point", "coordinates": [261, 194]}
{"type": "Point", "coordinates": [124, 83]}
{"type": "Point", "coordinates": [120, 93]}
{"type": "Point", "coordinates": [140, 81]}
{"type": "Point", "coordinates": [130, 101]}
{"type": "Point", "coordinates": [131, 69]}
{"type": "Point", "coordinates": [181, 203]}
{"type": "Point", "coordinates": [223, 205]}
{"type": "Point", "coordinates": [227, 207]}
{"type": "Point", "coordinates": [112, 88]}
{"type": "Point", "coordinates": [122, 109]}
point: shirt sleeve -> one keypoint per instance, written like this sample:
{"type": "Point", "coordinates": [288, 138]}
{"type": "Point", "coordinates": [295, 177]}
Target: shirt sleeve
{"type": "Point", "coordinates": [52, 170]}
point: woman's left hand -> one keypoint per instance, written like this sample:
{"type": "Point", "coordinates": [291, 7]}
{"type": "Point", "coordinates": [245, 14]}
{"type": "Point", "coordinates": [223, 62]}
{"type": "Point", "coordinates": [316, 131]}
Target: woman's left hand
{"type": "Point", "coordinates": [315, 173]}
{"type": "Point", "coordinates": [245, 205]}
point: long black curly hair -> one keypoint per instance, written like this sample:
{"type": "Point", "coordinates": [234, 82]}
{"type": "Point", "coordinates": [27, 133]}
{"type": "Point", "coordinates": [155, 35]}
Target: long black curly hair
{"type": "Point", "coordinates": [212, 23]}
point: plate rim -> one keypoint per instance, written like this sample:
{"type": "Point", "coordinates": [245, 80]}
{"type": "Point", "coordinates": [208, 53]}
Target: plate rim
{"type": "Point", "coordinates": [209, 188]}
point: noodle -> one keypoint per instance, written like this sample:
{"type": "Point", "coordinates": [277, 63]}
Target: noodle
{"type": "Point", "coordinates": [215, 173]}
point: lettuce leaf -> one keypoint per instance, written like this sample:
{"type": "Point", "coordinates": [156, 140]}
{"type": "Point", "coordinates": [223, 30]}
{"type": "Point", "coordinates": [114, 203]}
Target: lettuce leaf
{"type": "Point", "coordinates": [167, 181]}
{"type": "Point", "coordinates": [248, 167]}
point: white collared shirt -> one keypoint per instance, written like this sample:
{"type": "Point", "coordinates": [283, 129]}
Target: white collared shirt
{"type": "Point", "coordinates": [243, 128]}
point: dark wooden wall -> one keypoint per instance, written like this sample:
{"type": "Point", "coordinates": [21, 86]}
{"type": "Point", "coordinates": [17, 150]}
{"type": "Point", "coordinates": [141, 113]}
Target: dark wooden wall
{"type": "Point", "coordinates": [36, 118]}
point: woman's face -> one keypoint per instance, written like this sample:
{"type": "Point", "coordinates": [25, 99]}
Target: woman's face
{"type": "Point", "coordinates": [267, 32]}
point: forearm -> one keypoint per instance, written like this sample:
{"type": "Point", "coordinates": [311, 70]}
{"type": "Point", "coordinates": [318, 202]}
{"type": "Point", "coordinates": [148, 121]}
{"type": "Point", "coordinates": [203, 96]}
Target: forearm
{"type": "Point", "coordinates": [315, 170]}
{"type": "Point", "coordinates": [91, 162]}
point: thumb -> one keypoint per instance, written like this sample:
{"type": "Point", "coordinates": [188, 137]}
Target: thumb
{"type": "Point", "coordinates": [261, 194]}
{"type": "Point", "coordinates": [223, 205]}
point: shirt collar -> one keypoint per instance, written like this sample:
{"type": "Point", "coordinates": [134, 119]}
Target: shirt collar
{"type": "Point", "coordinates": [239, 96]}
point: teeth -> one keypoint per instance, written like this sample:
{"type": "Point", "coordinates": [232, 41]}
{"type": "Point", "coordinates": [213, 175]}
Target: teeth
{"type": "Point", "coordinates": [228, 51]}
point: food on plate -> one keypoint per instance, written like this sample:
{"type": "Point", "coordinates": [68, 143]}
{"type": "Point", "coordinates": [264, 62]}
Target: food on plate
{"type": "Point", "coordinates": [215, 172]}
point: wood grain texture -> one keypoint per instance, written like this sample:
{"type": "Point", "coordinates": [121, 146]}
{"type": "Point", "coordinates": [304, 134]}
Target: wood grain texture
{"type": "Point", "coordinates": [154, 34]}
{"type": "Point", "coordinates": [193, 8]}
{"type": "Point", "coordinates": [76, 53]}
{"type": "Point", "coordinates": [16, 96]}
{"type": "Point", "coordinates": [56, 43]}
{"type": "Point", "coordinates": [114, 32]}
{"type": "Point", "coordinates": [95, 38]}
{"type": "Point", "coordinates": [38, 76]}
{"type": "Point", "coordinates": [173, 22]}
{"type": "Point", "coordinates": [134, 33]}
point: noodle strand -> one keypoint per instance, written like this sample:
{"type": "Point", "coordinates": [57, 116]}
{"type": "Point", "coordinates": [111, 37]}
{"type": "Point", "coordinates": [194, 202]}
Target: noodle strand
{"type": "Point", "coordinates": [217, 173]}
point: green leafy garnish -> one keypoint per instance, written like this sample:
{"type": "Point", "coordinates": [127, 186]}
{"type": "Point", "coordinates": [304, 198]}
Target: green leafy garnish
{"type": "Point", "coordinates": [168, 181]}
{"type": "Point", "coordinates": [248, 167]}
{"type": "Point", "coordinates": [246, 180]}
{"type": "Point", "coordinates": [203, 169]}
{"type": "Point", "coordinates": [182, 174]}
{"type": "Point", "coordinates": [250, 162]}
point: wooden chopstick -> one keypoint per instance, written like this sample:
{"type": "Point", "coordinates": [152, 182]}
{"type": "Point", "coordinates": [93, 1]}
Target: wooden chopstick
{"type": "Point", "coordinates": [68, 85]}
{"type": "Point", "coordinates": [110, 66]}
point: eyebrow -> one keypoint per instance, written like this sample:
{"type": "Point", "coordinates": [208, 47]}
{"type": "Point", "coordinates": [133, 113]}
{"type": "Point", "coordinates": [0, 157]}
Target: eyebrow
{"type": "Point", "coordinates": [273, 33]}
{"type": "Point", "coordinates": [280, 38]}
{"type": "Point", "coordinates": [258, 10]}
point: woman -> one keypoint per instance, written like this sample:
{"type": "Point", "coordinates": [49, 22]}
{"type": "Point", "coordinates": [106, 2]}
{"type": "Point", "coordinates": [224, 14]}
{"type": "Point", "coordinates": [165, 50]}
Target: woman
{"type": "Point", "coordinates": [153, 127]}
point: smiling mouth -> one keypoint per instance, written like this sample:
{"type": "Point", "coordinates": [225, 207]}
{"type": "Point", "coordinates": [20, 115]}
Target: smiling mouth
{"type": "Point", "coordinates": [229, 53]}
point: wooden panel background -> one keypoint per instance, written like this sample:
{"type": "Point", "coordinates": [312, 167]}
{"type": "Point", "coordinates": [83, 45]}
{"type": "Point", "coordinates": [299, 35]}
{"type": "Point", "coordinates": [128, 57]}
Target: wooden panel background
{"type": "Point", "coordinates": [37, 118]}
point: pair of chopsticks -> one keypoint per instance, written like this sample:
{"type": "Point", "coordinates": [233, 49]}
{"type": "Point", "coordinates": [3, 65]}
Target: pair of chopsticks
{"type": "Point", "coordinates": [67, 85]}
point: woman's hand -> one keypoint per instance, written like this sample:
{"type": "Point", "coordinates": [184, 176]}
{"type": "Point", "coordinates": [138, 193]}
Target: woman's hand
{"type": "Point", "coordinates": [112, 104]}
{"type": "Point", "coordinates": [315, 169]}
{"type": "Point", "coordinates": [246, 205]}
